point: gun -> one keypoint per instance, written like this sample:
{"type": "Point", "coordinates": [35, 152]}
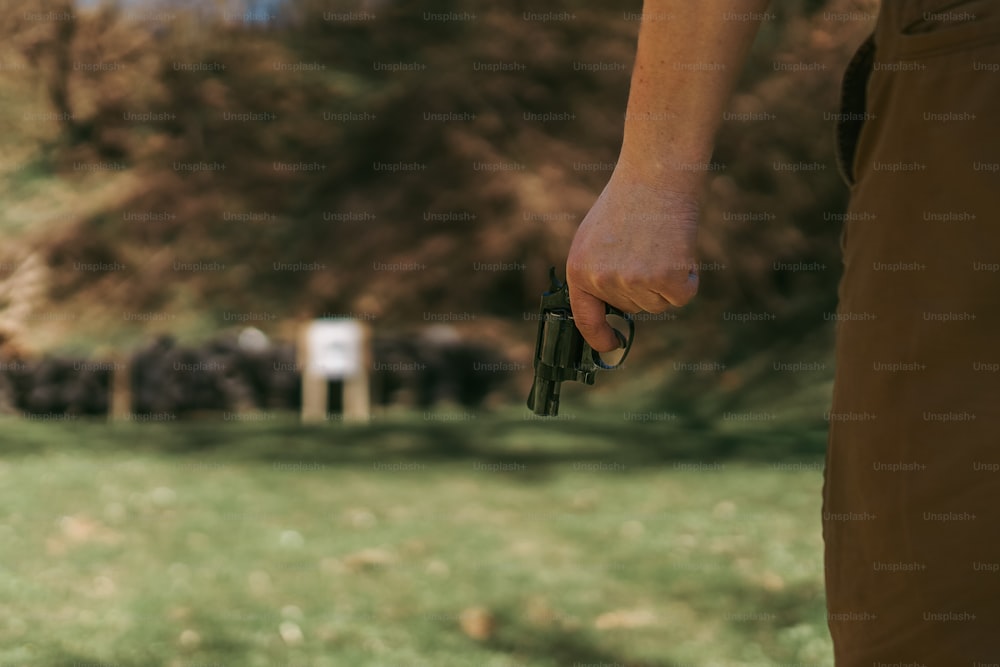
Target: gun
{"type": "Point", "coordinates": [561, 353]}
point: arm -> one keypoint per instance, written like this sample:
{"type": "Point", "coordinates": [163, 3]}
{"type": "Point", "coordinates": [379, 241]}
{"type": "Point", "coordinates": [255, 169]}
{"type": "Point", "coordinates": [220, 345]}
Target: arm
{"type": "Point", "coordinates": [635, 249]}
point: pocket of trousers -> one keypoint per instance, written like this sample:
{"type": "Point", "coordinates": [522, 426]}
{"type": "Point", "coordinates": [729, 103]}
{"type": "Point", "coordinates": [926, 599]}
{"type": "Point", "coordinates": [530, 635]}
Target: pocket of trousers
{"type": "Point", "coordinates": [852, 113]}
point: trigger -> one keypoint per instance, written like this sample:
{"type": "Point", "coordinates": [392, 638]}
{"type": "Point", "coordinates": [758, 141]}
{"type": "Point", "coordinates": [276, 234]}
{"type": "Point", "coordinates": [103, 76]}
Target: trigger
{"type": "Point", "coordinates": [622, 341]}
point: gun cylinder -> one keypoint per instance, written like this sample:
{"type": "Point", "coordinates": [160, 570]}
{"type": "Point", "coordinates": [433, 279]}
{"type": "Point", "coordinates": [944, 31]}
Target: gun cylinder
{"type": "Point", "coordinates": [561, 345]}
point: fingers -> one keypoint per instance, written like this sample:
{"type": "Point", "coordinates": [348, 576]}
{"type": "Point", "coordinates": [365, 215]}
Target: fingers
{"type": "Point", "coordinates": [684, 291]}
{"type": "Point", "coordinates": [589, 311]}
{"type": "Point", "coordinates": [649, 302]}
{"type": "Point", "coordinates": [589, 316]}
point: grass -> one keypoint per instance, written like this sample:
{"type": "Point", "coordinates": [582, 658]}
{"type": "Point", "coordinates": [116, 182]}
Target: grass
{"type": "Point", "coordinates": [403, 543]}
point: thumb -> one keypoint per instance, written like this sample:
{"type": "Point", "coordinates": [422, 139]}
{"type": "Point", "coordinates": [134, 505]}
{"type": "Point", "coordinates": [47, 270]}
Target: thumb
{"type": "Point", "coordinates": [589, 316]}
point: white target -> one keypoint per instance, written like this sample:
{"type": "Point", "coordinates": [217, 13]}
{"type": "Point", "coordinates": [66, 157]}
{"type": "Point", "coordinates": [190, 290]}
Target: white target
{"type": "Point", "coordinates": [335, 348]}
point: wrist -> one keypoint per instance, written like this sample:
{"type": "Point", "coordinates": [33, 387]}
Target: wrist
{"type": "Point", "coordinates": [660, 173]}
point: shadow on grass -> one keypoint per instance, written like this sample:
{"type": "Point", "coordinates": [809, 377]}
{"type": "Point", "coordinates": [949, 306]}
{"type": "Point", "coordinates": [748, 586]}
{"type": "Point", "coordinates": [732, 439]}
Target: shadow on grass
{"type": "Point", "coordinates": [72, 659]}
{"type": "Point", "coordinates": [563, 647]}
{"type": "Point", "coordinates": [763, 616]}
{"type": "Point", "coordinates": [486, 437]}
{"type": "Point", "coordinates": [134, 649]}
{"type": "Point", "coordinates": [792, 606]}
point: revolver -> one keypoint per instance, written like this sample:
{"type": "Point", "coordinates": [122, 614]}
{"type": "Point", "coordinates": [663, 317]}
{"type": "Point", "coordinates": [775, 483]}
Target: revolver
{"type": "Point", "coordinates": [561, 353]}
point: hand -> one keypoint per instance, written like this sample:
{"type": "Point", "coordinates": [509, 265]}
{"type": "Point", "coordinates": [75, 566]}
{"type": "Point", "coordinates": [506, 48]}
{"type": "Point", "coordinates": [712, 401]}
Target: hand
{"type": "Point", "coordinates": [635, 250]}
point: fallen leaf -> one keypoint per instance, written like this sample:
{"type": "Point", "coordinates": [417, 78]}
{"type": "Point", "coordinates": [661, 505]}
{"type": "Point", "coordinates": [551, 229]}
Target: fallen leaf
{"type": "Point", "coordinates": [367, 559]}
{"type": "Point", "coordinates": [291, 633]}
{"type": "Point", "coordinates": [625, 618]}
{"type": "Point", "coordinates": [190, 639]}
{"type": "Point", "coordinates": [478, 622]}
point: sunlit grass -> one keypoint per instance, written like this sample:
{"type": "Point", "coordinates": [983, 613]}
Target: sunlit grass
{"type": "Point", "coordinates": [413, 541]}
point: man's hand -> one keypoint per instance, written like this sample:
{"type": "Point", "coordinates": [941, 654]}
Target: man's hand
{"type": "Point", "coordinates": [635, 250]}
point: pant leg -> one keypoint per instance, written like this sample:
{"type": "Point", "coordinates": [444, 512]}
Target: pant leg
{"type": "Point", "coordinates": [911, 494]}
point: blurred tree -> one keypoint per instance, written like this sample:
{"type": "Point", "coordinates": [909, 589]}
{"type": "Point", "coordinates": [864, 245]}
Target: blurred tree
{"type": "Point", "coordinates": [352, 141]}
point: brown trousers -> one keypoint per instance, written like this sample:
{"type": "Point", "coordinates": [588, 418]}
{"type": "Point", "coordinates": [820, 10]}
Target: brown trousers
{"type": "Point", "coordinates": [911, 493]}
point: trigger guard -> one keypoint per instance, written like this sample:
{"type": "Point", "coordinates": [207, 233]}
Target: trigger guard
{"type": "Point", "coordinates": [626, 343]}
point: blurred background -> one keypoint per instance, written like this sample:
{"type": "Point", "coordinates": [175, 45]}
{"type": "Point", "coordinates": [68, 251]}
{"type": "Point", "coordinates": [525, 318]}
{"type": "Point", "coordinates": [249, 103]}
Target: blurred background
{"type": "Point", "coordinates": [186, 185]}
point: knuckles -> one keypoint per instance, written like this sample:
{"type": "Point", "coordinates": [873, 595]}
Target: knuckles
{"type": "Point", "coordinates": [675, 286]}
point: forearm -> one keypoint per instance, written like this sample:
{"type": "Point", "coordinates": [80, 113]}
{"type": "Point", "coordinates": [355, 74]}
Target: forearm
{"type": "Point", "coordinates": [689, 55]}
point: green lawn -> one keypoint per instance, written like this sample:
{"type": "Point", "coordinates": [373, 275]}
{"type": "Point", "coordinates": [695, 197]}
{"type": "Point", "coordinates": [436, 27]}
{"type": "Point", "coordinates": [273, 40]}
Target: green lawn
{"type": "Point", "coordinates": [404, 543]}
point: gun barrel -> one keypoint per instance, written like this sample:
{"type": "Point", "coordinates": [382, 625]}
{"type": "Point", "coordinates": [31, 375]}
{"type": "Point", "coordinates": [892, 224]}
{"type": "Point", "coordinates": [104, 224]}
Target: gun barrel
{"type": "Point", "coordinates": [544, 397]}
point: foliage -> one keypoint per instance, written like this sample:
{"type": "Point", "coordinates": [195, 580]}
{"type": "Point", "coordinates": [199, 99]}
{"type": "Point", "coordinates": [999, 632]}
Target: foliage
{"type": "Point", "coordinates": [448, 216]}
